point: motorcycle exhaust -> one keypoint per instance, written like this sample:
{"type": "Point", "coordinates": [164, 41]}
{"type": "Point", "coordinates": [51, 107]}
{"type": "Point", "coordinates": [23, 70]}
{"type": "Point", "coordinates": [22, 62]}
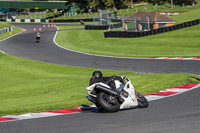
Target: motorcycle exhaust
{"type": "Point", "coordinates": [91, 99]}
{"type": "Point", "coordinates": [106, 89]}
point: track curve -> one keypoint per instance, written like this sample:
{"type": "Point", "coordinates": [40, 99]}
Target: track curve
{"type": "Point", "coordinates": [180, 113]}
{"type": "Point", "coordinates": [23, 45]}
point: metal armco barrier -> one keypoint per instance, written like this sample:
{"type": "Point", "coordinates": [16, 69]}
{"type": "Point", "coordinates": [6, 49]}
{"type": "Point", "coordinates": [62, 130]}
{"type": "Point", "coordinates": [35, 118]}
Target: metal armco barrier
{"type": "Point", "coordinates": [7, 29]}
{"type": "Point", "coordinates": [127, 34]}
{"type": "Point", "coordinates": [25, 20]}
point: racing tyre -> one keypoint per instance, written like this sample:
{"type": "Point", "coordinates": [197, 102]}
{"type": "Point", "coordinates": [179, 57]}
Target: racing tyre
{"type": "Point", "coordinates": [103, 100]}
{"type": "Point", "coordinates": [142, 101]}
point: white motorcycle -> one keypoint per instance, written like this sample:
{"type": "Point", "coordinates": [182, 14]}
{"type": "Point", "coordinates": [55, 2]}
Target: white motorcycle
{"type": "Point", "coordinates": [112, 100]}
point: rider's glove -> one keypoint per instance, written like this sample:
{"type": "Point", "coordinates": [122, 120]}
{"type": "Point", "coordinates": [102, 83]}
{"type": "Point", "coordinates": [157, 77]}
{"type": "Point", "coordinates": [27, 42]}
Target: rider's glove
{"type": "Point", "coordinates": [123, 79]}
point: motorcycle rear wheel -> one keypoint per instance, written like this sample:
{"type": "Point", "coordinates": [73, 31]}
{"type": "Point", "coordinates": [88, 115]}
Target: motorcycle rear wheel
{"type": "Point", "coordinates": [142, 101]}
{"type": "Point", "coordinates": [103, 101]}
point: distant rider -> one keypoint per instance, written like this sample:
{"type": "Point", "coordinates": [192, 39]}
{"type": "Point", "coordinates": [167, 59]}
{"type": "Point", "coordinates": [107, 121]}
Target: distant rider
{"type": "Point", "coordinates": [38, 35]}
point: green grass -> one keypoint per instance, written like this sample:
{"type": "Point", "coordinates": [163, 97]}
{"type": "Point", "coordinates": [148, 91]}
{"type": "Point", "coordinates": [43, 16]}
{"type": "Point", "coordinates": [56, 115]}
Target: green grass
{"type": "Point", "coordinates": [71, 27]}
{"type": "Point", "coordinates": [187, 16]}
{"type": "Point", "coordinates": [5, 24]}
{"type": "Point", "coordinates": [159, 8]}
{"type": "Point", "coordinates": [33, 86]}
{"type": "Point", "coordinates": [180, 43]}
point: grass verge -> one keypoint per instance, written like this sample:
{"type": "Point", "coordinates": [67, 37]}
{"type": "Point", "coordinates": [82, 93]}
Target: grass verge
{"type": "Point", "coordinates": [180, 43]}
{"type": "Point", "coordinates": [71, 27]}
{"type": "Point", "coordinates": [5, 24]}
{"type": "Point", "coordinates": [33, 86]}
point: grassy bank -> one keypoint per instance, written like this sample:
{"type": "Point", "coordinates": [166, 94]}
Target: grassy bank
{"type": "Point", "coordinates": [179, 43]}
{"type": "Point", "coordinates": [5, 24]}
{"type": "Point", "coordinates": [32, 86]}
{"type": "Point", "coordinates": [158, 8]}
{"type": "Point", "coordinates": [71, 27]}
{"type": "Point", "coordinates": [187, 16]}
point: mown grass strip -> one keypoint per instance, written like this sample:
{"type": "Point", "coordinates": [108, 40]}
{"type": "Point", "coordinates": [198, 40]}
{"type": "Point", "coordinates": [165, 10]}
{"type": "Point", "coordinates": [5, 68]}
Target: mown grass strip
{"type": "Point", "coordinates": [187, 16]}
{"type": "Point", "coordinates": [180, 43]}
{"type": "Point", "coordinates": [5, 24]}
{"type": "Point", "coordinates": [33, 86]}
{"type": "Point", "coordinates": [71, 27]}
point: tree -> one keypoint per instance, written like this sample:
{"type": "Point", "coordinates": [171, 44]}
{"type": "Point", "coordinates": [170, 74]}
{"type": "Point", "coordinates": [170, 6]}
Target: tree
{"type": "Point", "coordinates": [172, 4]}
{"type": "Point", "coordinates": [96, 4]}
{"type": "Point", "coordinates": [109, 3]}
{"type": "Point", "coordinates": [131, 3]}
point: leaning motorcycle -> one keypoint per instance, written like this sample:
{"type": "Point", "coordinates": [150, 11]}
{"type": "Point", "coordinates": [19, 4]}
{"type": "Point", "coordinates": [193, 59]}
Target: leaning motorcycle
{"type": "Point", "coordinates": [112, 100]}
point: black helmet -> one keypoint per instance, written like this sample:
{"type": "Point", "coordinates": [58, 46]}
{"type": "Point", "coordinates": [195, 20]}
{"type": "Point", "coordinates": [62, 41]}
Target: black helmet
{"type": "Point", "coordinates": [97, 74]}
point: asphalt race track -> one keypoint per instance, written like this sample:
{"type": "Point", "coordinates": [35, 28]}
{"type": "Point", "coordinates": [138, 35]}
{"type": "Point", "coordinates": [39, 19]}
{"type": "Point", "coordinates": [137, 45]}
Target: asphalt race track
{"type": "Point", "coordinates": [24, 45]}
{"type": "Point", "coordinates": [177, 114]}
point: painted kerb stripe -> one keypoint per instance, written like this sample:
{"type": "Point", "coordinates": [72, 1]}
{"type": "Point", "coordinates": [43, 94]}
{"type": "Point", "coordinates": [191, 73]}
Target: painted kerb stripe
{"type": "Point", "coordinates": [150, 97]}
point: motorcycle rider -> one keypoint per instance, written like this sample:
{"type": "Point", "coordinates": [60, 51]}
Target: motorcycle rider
{"type": "Point", "coordinates": [97, 76]}
{"type": "Point", "coordinates": [119, 95]}
{"type": "Point", "coordinates": [37, 37]}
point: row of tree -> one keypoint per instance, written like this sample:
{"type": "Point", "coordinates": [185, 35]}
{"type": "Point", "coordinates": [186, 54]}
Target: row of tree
{"type": "Point", "coordinates": [119, 4]}
{"type": "Point", "coordinates": [94, 5]}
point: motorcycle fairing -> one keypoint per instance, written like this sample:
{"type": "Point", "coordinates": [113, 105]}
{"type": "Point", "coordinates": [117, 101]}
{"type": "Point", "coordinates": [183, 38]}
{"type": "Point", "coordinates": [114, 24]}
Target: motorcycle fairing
{"type": "Point", "coordinates": [130, 101]}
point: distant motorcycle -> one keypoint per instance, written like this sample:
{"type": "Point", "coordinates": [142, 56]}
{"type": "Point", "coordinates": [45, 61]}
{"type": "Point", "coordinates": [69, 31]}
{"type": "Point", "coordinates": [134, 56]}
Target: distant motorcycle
{"type": "Point", "coordinates": [37, 37]}
{"type": "Point", "coordinates": [112, 100]}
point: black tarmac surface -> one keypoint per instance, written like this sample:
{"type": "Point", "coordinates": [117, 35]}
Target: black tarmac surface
{"type": "Point", "coordinates": [177, 114]}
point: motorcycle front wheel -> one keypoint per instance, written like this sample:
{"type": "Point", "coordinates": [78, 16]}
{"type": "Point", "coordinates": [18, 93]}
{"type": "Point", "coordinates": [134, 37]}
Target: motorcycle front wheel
{"type": "Point", "coordinates": [104, 101]}
{"type": "Point", "coordinates": [142, 101]}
